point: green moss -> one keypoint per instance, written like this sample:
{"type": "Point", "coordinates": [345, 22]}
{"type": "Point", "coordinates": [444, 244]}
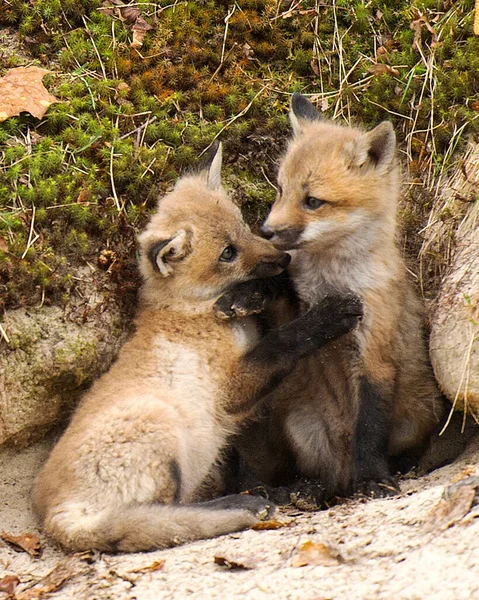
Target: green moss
{"type": "Point", "coordinates": [196, 81]}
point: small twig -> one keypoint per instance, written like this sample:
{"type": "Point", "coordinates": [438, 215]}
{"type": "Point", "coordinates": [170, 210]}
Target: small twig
{"type": "Point", "coordinates": [4, 334]}
{"type": "Point", "coordinates": [30, 235]}
{"type": "Point", "coordinates": [227, 21]}
{"type": "Point", "coordinates": [148, 168]}
{"type": "Point", "coordinates": [218, 69]}
{"type": "Point", "coordinates": [142, 126]}
{"type": "Point", "coordinates": [95, 48]}
{"type": "Point", "coordinates": [112, 179]}
{"type": "Point", "coordinates": [275, 187]}
{"type": "Point", "coordinates": [233, 119]}
{"type": "Point", "coordinates": [463, 375]}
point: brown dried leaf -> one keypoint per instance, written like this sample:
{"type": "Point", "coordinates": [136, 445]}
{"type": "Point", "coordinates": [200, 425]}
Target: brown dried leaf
{"type": "Point", "coordinates": [8, 584]}
{"type": "Point", "coordinates": [3, 244]}
{"type": "Point", "coordinates": [26, 541]}
{"type": "Point", "coordinates": [417, 26]}
{"type": "Point", "coordinates": [21, 90]}
{"type": "Point", "coordinates": [84, 195]}
{"type": "Point", "coordinates": [311, 554]}
{"type": "Point", "coordinates": [139, 31]}
{"type": "Point", "coordinates": [267, 525]}
{"type": "Point", "coordinates": [248, 51]}
{"type": "Point", "coordinates": [65, 570]}
{"type": "Point", "coordinates": [454, 505]}
{"type": "Point", "coordinates": [155, 566]}
{"type": "Point", "coordinates": [239, 564]}
{"type": "Point", "coordinates": [130, 14]}
{"type": "Point", "coordinates": [379, 69]}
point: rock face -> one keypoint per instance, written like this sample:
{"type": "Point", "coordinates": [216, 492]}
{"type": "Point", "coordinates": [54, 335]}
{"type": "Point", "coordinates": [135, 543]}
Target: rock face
{"type": "Point", "coordinates": [48, 357]}
{"type": "Point", "coordinates": [454, 343]}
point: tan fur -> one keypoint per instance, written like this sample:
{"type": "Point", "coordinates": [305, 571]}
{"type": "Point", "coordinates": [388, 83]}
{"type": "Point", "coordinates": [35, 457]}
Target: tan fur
{"type": "Point", "coordinates": [347, 243]}
{"type": "Point", "coordinates": [172, 399]}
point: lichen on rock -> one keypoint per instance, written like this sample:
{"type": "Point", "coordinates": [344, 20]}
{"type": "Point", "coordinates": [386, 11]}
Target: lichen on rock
{"type": "Point", "coordinates": [49, 360]}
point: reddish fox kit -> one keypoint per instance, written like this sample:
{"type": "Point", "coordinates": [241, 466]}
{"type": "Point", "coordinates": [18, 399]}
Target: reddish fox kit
{"type": "Point", "coordinates": [344, 412]}
{"type": "Point", "coordinates": [139, 458]}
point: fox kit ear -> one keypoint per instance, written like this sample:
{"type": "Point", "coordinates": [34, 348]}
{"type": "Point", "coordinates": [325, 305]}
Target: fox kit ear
{"type": "Point", "coordinates": [165, 252]}
{"type": "Point", "coordinates": [302, 112]}
{"type": "Point", "coordinates": [211, 167]}
{"type": "Point", "coordinates": [377, 147]}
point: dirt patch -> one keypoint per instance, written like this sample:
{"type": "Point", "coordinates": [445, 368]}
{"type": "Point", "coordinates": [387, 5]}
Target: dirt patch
{"type": "Point", "coordinates": [394, 548]}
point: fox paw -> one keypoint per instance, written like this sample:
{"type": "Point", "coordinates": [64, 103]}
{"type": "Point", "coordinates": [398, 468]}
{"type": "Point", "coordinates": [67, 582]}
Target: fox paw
{"type": "Point", "coordinates": [377, 489]}
{"type": "Point", "coordinates": [239, 303]}
{"type": "Point", "coordinates": [337, 314]}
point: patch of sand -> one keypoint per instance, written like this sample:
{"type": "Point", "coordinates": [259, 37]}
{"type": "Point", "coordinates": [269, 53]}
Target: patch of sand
{"type": "Point", "coordinates": [387, 550]}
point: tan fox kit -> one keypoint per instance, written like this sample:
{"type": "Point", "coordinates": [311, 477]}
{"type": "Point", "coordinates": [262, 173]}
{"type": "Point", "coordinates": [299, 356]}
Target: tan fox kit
{"type": "Point", "coordinates": [132, 468]}
{"type": "Point", "coordinates": [370, 396]}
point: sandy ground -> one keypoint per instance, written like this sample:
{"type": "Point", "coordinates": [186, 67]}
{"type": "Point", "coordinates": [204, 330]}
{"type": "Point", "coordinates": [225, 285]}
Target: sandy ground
{"type": "Point", "coordinates": [399, 548]}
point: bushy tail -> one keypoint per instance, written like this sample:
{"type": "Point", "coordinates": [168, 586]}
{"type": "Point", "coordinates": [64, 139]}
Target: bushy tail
{"type": "Point", "coordinates": [153, 526]}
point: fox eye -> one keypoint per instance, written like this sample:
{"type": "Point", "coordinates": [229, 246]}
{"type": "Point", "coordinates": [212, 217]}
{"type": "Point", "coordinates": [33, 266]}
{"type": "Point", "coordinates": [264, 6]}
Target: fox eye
{"type": "Point", "coordinates": [312, 202]}
{"type": "Point", "coordinates": [228, 254]}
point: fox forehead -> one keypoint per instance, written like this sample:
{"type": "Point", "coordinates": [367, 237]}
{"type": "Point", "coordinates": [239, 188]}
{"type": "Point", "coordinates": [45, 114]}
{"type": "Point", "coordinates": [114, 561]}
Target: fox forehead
{"type": "Point", "coordinates": [318, 163]}
{"type": "Point", "coordinates": [192, 205]}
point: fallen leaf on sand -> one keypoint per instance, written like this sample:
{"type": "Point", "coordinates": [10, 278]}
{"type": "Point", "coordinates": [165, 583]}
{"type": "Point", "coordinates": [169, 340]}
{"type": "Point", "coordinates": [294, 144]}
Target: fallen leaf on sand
{"type": "Point", "coordinates": [311, 554]}
{"type": "Point", "coordinates": [457, 500]}
{"type": "Point", "coordinates": [67, 569]}
{"type": "Point", "coordinates": [8, 584]}
{"type": "Point", "coordinates": [155, 566]}
{"type": "Point", "coordinates": [267, 525]}
{"type": "Point", "coordinates": [25, 541]}
{"type": "Point", "coordinates": [238, 564]}
{"type": "Point", "coordinates": [21, 90]}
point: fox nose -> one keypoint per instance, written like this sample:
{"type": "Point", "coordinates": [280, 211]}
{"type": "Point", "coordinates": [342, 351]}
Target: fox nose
{"type": "Point", "coordinates": [266, 232]}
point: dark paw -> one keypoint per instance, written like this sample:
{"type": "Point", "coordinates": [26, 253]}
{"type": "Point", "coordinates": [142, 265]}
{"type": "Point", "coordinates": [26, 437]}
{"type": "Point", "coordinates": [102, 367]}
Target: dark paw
{"type": "Point", "coordinates": [279, 495]}
{"type": "Point", "coordinates": [307, 494]}
{"type": "Point", "coordinates": [239, 303]}
{"type": "Point", "coordinates": [377, 489]}
{"type": "Point", "coordinates": [336, 315]}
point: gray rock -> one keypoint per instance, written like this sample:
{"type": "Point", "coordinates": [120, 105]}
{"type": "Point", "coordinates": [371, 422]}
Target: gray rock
{"type": "Point", "coordinates": [454, 342]}
{"type": "Point", "coordinates": [50, 358]}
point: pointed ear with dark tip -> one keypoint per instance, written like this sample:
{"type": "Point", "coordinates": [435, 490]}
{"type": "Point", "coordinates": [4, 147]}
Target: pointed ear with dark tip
{"type": "Point", "coordinates": [164, 253]}
{"type": "Point", "coordinates": [211, 165]}
{"type": "Point", "coordinates": [376, 147]}
{"type": "Point", "coordinates": [301, 113]}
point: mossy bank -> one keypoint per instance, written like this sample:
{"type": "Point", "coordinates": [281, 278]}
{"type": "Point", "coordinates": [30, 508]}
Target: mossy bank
{"type": "Point", "coordinates": [76, 187]}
